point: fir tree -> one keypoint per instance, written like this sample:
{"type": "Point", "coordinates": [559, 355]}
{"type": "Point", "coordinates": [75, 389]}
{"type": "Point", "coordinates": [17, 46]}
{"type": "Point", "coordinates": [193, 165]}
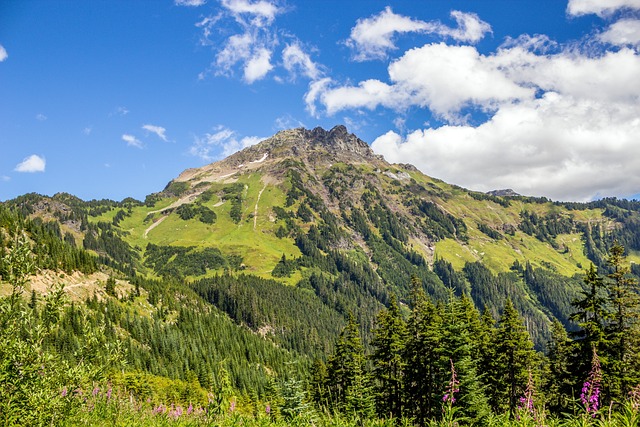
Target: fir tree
{"type": "Point", "coordinates": [389, 341]}
{"type": "Point", "coordinates": [514, 357]}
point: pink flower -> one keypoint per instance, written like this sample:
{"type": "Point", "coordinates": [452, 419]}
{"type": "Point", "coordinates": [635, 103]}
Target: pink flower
{"type": "Point", "coordinates": [591, 388]}
{"type": "Point", "coordinates": [64, 392]}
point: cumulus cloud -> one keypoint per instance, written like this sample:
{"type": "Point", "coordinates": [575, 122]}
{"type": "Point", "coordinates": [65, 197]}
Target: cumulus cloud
{"type": "Point", "coordinates": [3, 53]}
{"type": "Point", "coordinates": [158, 130]}
{"type": "Point", "coordinates": [441, 77]}
{"type": "Point", "coordinates": [192, 3]}
{"type": "Point", "coordinates": [222, 142]}
{"type": "Point", "coordinates": [373, 38]}
{"type": "Point", "coordinates": [556, 146]}
{"type": "Point", "coordinates": [622, 33]}
{"type": "Point", "coordinates": [557, 122]}
{"type": "Point", "coordinates": [132, 141]}
{"type": "Point", "coordinates": [31, 164]}
{"type": "Point", "coordinates": [599, 7]}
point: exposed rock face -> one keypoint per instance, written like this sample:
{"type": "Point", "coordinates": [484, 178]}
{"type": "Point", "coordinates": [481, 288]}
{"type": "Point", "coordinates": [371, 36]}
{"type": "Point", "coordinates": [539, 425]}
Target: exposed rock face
{"type": "Point", "coordinates": [314, 146]}
{"type": "Point", "coordinates": [503, 193]}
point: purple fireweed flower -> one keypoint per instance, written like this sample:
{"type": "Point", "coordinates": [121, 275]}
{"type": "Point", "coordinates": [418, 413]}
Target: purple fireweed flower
{"type": "Point", "coordinates": [526, 401]}
{"type": "Point", "coordinates": [109, 392]}
{"type": "Point", "coordinates": [267, 409]}
{"type": "Point", "coordinates": [190, 409]}
{"type": "Point", "coordinates": [64, 392]}
{"type": "Point", "coordinates": [233, 406]}
{"type": "Point", "coordinates": [452, 388]}
{"type": "Point", "coordinates": [95, 391]}
{"type": "Point", "coordinates": [590, 396]}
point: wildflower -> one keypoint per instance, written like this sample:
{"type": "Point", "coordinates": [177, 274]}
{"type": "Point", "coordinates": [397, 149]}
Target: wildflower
{"type": "Point", "coordinates": [64, 392]}
{"type": "Point", "coordinates": [95, 391]}
{"type": "Point", "coordinates": [452, 388]}
{"type": "Point", "coordinates": [590, 394]}
{"type": "Point", "coordinates": [190, 409]}
{"type": "Point", "coordinates": [526, 401]}
{"type": "Point", "coordinates": [109, 392]}
{"type": "Point", "coordinates": [267, 409]}
{"type": "Point", "coordinates": [233, 406]}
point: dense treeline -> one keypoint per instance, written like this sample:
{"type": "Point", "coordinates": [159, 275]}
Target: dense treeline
{"type": "Point", "coordinates": [450, 352]}
{"type": "Point", "coordinates": [294, 318]}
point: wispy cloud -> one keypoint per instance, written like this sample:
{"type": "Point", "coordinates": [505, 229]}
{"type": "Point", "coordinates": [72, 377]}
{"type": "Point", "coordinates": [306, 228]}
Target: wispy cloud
{"type": "Point", "coordinates": [252, 50]}
{"type": "Point", "coordinates": [158, 130]}
{"type": "Point", "coordinates": [87, 130]}
{"type": "Point", "coordinates": [132, 141]}
{"type": "Point", "coordinates": [5, 178]}
{"type": "Point", "coordinates": [192, 3]}
{"type": "Point", "coordinates": [41, 117]}
{"type": "Point", "coordinates": [3, 53]}
{"type": "Point", "coordinates": [298, 62]}
{"type": "Point", "coordinates": [31, 164]}
{"type": "Point", "coordinates": [373, 38]}
{"type": "Point", "coordinates": [120, 111]}
{"type": "Point", "coordinates": [220, 143]}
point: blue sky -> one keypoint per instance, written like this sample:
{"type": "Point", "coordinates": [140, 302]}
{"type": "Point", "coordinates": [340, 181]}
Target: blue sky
{"type": "Point", "coordinates": [113, 99]}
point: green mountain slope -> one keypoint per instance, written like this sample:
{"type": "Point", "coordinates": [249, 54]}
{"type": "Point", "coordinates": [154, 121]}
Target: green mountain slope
{"type": "Point", "coordinates": [334, 229]}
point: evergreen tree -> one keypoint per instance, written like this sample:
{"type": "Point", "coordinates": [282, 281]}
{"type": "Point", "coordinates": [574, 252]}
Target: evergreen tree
{"type": "Point", "coordinates": [590, 317]}
{"type": "Point", "coordinates": [458, 346]}
{"type": "Point", "coordinates": [423, 375]}
{"type": "Point", "coordinates": [389, 341]}
{"type": "Point", "coordinates": [514, 357]}
{"type": "Point", "coordinates": [622, 330]}
{"type": "Point", "coordinates": [346, 377]}
{"type": "Point", "coordinates": [560, 381]}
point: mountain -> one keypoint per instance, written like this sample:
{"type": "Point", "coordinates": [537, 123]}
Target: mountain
{"type": "Point", "coordinates": [278, 243]}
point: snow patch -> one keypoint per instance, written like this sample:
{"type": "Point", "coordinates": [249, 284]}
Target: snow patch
{"type": "Point", "coordinates": [262, 159]}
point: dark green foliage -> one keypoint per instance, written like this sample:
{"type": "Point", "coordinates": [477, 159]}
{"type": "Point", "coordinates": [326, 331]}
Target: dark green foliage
{"type": "Point", "coordinates": [502, 201]}
{"type": "Point", "coordinates": [235, 194]}
{"type": "Point", "coordinates": [189, 211]}
{"type": "Point", "coordinates": [294, 318]}
{"type": "Point", "coordinates": [545, 228]}
{"type": "Point", "coordinates": [389, 340]}
{"type": "Point", "coordinates": [495, 235]}
{"type": "Point", "coordinates": [180, 261]}
{"type": "Point", "coordinates": [176, 188]}
{"type": "Point", "coordinates": [284, 267]}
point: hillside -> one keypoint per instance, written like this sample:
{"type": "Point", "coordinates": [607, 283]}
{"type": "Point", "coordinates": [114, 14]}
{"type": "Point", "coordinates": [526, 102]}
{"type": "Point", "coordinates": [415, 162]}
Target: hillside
{"type": "Point", "coordinates": [313, 218]}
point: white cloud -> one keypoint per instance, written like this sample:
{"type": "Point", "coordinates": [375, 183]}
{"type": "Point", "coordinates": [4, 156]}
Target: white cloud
{"type": "Point", "coordinates": [192, 3]}
{"type": "Point", "coordinates": [438, 76]}
{"type": "Point", "coordinates": [87, 130]}
{"type": "Point", "coordinates": [600, 7]}
{"type": "Point", "coordinates": [559, 122]}
{"type": "Point", "coordinates": [3, 53]}
{"type": "Point", "coordinates": [556, 146]}
{"type": "Point", "coordinates": [372, 38]}
{"type": "Point", "coordinates": [41, 117]}
{"type": "Point", "coordinates": [622, 33]}
{"type": "Point", "coordinates": [158, 130]}
{"type": "Point", "coordinates": [33, 163]}
{"type": "Point", "coordinates": [296, 61]}
{"type": "Point", "coordinates": [260, 13]}
{"type": "Point", "coordinates": [120, 111]}
{"type": "Point", "coordinates": [132, 141]}
{"type": "Point", "coordinates": [5, 178]}
{"type": "Point", "coordinates": [257, 67]}
{"type": "Point", "coordinates": [221, 143]}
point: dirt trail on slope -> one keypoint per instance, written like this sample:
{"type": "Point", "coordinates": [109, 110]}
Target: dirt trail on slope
{"type": "Point", "coordinates": [154, 225]}
{"type": "Point", "coordinates": [255, 210]}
